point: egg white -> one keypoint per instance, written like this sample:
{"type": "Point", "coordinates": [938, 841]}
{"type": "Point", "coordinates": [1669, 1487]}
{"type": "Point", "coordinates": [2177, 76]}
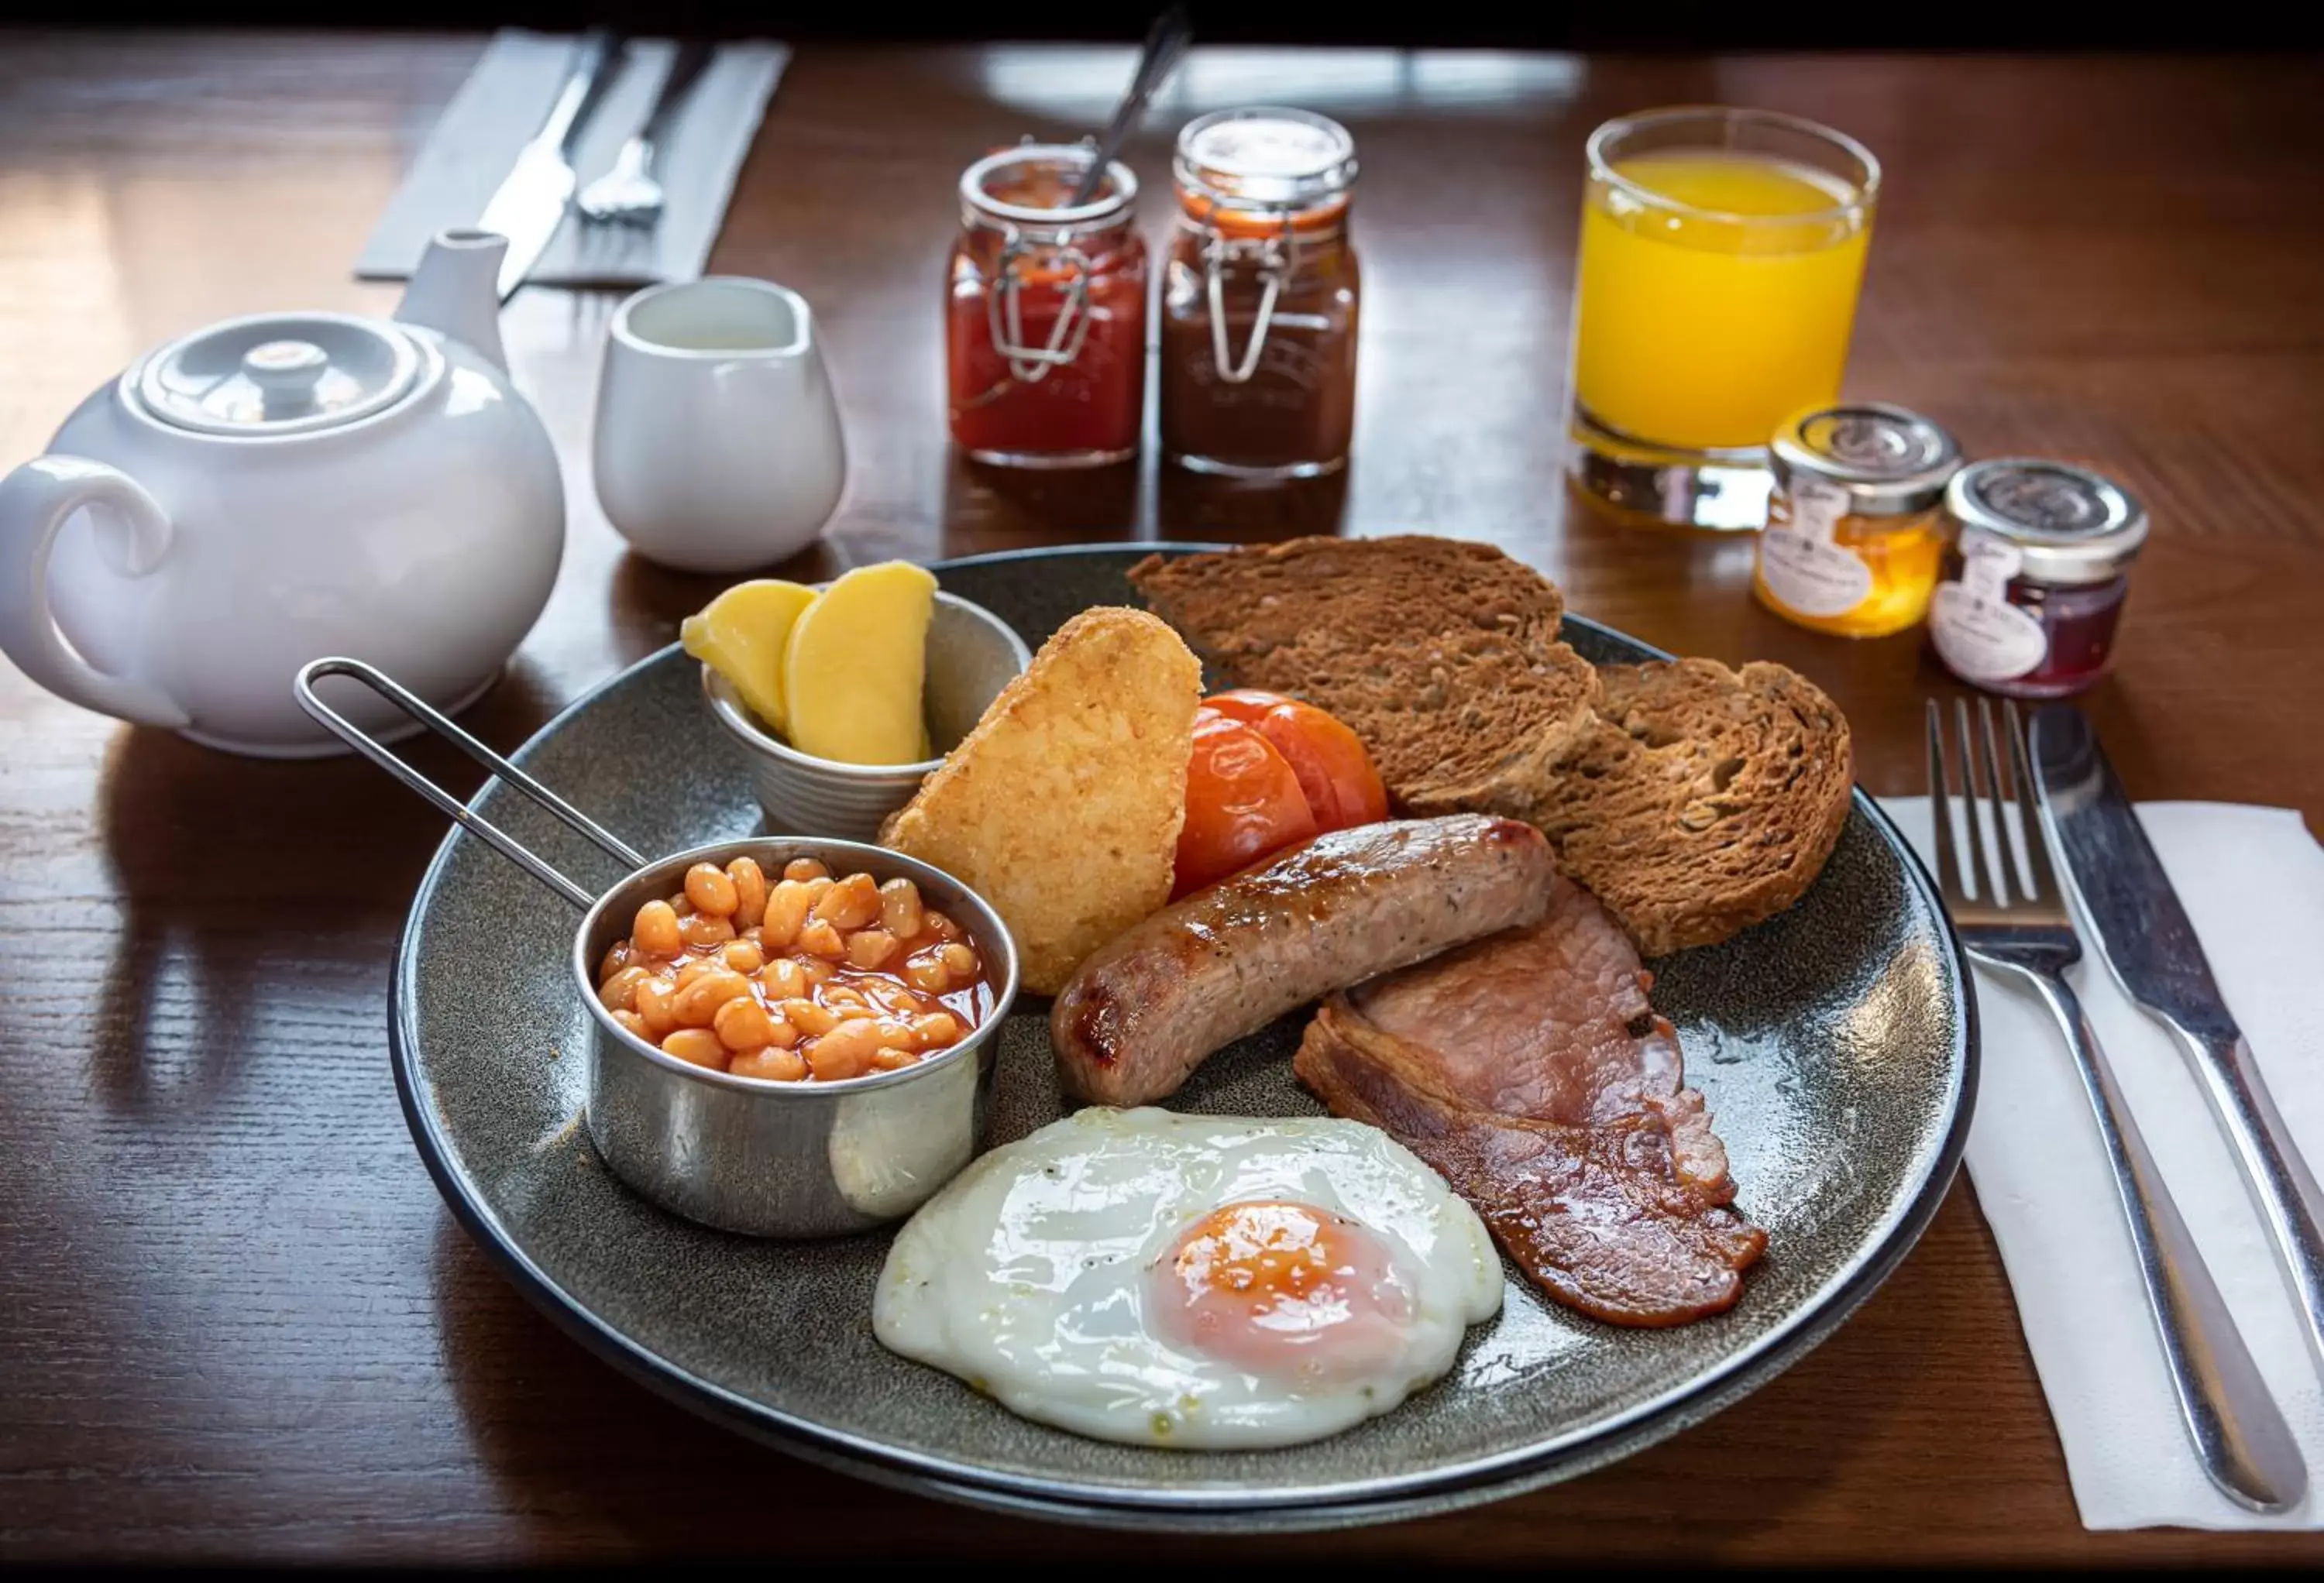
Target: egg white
{"type": "Point", "coordinates": [1026, 1275]}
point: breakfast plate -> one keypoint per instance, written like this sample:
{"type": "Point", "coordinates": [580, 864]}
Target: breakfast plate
{"type": "Point", "coordinates": [1835, 1044]}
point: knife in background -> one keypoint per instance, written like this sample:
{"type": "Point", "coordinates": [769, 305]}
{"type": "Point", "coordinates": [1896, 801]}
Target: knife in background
{"type": "Point", "coordinates": [2143, 933]}
{"type": "Point", "coordinates": [531, 202]}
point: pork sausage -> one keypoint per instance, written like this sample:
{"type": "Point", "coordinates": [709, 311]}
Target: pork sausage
{"type": "Point", "coordinates": [1145, 1009]}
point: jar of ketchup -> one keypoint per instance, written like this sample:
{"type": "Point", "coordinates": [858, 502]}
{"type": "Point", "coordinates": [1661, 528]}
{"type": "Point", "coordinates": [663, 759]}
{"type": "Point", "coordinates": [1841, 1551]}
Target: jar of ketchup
{"type": "Point", "coordinates": [2035, 575]}
{"type": "Point", "coordinates": [1044, 308]}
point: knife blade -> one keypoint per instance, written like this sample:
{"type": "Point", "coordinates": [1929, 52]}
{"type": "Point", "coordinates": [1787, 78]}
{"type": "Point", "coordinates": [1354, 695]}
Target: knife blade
{"type": "Point", "coordinates": [532, 198]}
{"type": "Point", "coordinates": [2149, 946]}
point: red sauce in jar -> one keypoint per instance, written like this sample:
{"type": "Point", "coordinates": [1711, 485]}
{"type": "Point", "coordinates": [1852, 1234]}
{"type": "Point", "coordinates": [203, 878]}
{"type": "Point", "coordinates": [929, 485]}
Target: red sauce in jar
{"type": "Point", "coordinates": [1045, 313]}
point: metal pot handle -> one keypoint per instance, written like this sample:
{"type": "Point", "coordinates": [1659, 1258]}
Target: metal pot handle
{"type": "Point", "coordinates": [484, 829]}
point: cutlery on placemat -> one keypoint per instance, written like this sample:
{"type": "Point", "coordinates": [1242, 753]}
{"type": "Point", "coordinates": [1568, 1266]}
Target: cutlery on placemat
{"type": "Point", "coordinates": [2018, 922]}
{"type": "Point", "coordinates": [531, 202]}
{"type": "Point", "coordinates": [2146, 939]}
{"type": "Point", "coordinates": [630, 193]}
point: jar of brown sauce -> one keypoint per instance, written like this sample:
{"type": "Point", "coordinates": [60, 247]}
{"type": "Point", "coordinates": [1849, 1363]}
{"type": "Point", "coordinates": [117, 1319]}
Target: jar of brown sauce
{"type": "Point", "coordinates": [1259, 297]}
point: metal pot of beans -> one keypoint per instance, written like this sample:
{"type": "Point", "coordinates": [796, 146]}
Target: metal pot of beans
{"type": "Point", "coordinates": [789, 1036]}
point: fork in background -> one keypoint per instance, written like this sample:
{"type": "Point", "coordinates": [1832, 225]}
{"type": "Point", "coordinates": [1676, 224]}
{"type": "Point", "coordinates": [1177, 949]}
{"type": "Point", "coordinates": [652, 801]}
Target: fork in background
{"type": "Point", "coordinates": [2018, 922]}
{"type": "Point", "coordinates": [613, 257]}
{"type": "Point", "coordinates": [631, 193]}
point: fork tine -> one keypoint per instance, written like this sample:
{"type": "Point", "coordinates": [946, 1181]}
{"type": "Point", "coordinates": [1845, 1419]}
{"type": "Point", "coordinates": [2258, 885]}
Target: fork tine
{"type": "Point", "coordinates": [2005, 856]}
{"type": "Point", "coordinates": [1941, 811]}
{"type": "Point", "coordinates": [2041, 879]}
{"type": "Point", "coordinates": [1974, 800]}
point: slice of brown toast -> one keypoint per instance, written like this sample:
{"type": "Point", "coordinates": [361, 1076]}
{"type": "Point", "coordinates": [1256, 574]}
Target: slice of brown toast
{"type": "Point", "coordinates": [1703, 801]}
{"type": "Point", "coordinates": [1441, 656]}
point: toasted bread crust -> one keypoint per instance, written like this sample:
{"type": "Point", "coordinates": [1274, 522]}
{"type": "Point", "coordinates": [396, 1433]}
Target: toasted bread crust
{"type": "Point", "coordinates": [1443, 655]}
{"type": "Point", "coordinates": [1695, 801]}
{"type": "Point", "coordinates": [1704, 800]}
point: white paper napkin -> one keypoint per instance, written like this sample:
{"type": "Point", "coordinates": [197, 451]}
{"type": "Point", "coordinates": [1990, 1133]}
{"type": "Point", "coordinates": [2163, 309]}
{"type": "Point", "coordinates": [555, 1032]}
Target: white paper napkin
{"type": "Point", "coordinates": [502, 105]}
{"type": "Point", "coordinates": [2252, 882]}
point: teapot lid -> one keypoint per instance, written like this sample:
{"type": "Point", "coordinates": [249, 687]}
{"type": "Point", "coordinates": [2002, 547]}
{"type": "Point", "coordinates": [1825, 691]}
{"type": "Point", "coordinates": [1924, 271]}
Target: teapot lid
{"type": "Point", "coordinates": [280, 373]}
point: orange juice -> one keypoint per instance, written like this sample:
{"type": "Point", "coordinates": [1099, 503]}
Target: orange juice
{"type": "Point", "coordinates": [1706, 319]}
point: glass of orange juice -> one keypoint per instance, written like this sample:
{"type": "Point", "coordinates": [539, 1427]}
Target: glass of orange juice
{"type": "Point", "coordinates": [1721, 251]}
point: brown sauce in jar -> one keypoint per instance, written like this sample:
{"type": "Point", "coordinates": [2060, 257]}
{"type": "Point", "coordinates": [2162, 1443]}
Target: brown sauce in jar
{"type": "Point", "coordinates": [1261, 297]}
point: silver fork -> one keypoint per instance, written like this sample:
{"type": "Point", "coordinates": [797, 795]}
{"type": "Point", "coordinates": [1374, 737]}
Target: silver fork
{"type": "Point", "coordinates": [2018, 923]}
{"type": "Point", "coordinates": [630, 193]}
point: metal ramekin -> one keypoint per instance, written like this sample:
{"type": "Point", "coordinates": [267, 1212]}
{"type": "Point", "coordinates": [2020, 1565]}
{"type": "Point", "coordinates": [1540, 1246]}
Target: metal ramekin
{"type": "Point", "coordinates": [971, 655]}
{"type": "Point", "coordinates": [763, 1158]}
{"type": "Point", "coordinates": [789, 1159]}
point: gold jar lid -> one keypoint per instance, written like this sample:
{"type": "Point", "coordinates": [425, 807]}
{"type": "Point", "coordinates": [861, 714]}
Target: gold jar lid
{"type": "Point", "coordinates": [1890, 460]}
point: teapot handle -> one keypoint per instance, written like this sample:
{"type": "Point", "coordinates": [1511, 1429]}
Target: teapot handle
{"type": "Point", "coordinates": [35, 502]}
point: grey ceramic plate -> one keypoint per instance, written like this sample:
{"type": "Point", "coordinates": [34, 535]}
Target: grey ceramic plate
{"type": "Point", "coordinates": [1834, 1043]}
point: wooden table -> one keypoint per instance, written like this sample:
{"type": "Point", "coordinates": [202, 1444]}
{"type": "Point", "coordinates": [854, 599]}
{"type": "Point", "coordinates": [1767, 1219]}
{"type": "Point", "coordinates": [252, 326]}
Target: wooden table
{"type": "Point", "coordinates": [235, 1320]}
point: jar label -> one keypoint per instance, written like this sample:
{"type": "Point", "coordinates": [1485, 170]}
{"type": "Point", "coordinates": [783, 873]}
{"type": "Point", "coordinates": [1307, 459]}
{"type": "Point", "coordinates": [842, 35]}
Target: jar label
{"type": "Point", "coordinates": [1812, 578]}
{"type": "Point", "coordinates": [1978, 633]}
{"type": "Point", "coordinates": [1817, 506]}
{"type": "Point", "coordinates": [1800, 564]}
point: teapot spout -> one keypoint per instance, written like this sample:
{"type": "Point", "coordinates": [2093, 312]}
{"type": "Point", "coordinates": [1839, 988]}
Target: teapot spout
{"type": "Point", "coordinates": [456, 291]}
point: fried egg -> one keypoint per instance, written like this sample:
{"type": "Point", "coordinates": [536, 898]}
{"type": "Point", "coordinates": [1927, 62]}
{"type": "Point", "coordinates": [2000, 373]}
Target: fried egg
{"type": "Point", "coordinates": [1200, 1281]}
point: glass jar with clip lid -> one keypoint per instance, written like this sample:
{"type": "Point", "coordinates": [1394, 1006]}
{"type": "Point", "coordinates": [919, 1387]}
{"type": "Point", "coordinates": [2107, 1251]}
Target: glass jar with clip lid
{"type": "Point", "coordinates": [1259, 297]}
{"type": "Point", "coordinates": [1045, 312]}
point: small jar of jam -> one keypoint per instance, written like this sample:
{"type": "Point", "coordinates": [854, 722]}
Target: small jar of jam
{"type": "Point", "coordinates": [1045, 311]}
{"type": "Point", "coordinates": [1260, 296]}
{"type": "Point", "coordinates": [1854, 535]}
{"type": "Point", "coordinates": [2036, 576]}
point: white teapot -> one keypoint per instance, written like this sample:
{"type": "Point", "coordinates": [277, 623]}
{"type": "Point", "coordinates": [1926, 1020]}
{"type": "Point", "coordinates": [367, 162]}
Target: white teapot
{"type": "Point", "coordinates": [272, 489]}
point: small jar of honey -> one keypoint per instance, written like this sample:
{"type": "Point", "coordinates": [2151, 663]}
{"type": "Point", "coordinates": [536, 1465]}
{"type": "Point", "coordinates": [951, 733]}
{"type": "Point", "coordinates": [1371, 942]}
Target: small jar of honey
{"type": "Point", "coordinates": [1855, 534]}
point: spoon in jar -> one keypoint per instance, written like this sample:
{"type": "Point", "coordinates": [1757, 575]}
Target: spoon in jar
{"type": "Point", "coordinates": [1165, 41]}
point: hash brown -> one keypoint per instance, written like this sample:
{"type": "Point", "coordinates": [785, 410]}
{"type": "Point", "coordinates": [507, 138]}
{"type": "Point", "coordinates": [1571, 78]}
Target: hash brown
{"type": "Point", "coordinates": [1062, 807]}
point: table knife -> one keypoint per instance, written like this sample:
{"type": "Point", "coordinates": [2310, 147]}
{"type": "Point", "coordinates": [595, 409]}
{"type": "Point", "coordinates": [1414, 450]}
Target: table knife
{"type": "Point", "coordinates": [531, 201]}
{"type": "Point", "coordinates": [2149, 944]}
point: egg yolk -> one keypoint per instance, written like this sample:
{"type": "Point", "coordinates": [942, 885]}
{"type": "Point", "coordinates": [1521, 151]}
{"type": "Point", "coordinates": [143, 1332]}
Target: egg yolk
{"type": "Point", "coordinates": [1281, 1288]}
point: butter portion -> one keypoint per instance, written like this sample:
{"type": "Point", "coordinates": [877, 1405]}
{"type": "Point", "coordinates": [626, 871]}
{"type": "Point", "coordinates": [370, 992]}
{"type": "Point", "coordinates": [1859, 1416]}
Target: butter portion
{"type": "Point", "coordinates": [744, 635]}
{"type": "Point", "coordinates": [853, 672]}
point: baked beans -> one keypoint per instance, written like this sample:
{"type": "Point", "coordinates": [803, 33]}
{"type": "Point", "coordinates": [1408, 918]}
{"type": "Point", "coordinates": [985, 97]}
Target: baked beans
{"type": "Point", "coordinates": [799, 977]}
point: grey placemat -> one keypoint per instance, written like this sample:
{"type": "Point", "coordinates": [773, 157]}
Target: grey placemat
{"type": "Point", "coordinates": [503, 102]}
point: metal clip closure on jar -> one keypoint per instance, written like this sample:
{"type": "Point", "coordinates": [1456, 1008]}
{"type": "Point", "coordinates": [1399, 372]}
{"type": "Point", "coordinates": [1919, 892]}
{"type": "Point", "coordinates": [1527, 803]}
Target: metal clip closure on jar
{"type": "Point", "coordinates": [1263, 197]}
{"type": "Point", "coordinates": [1276, 257]}
{"type": "Point", "coordinates": [2037, 575]}
{"type": "Point", "coordinates": [1005, 315]}
{"type": "Point", "coordinates": [1045, 312]}
{"type": "Point", "coordinates": [1853, 539]}
{"type": "Point", "coordinates": [1037, 231]}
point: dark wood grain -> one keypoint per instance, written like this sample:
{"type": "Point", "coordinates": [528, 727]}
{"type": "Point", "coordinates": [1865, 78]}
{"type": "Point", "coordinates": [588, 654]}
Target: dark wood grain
{"type": "Point", "coordinates": [234, 1319]}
